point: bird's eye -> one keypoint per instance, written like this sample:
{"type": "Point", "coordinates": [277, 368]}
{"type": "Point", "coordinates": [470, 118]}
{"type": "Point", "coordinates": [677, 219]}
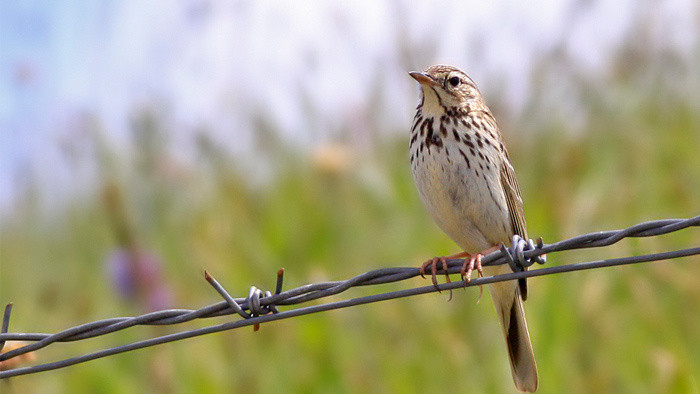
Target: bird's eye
{"type": "Point", "coordinates": [454, 81]}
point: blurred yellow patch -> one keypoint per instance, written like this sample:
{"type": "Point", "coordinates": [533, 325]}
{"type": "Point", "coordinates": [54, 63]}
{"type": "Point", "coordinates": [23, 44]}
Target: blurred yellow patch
{"type": "Point", "coordinates": [332, 159]}
{"type": "Point", "coordinates": [18, 361]}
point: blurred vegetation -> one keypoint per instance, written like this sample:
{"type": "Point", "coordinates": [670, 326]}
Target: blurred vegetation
{"type": "Point", "coordinates": [338, 211]}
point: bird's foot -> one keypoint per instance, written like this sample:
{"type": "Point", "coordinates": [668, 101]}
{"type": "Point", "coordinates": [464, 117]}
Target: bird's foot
{"type": "Point", "coordinates": [433, 264]}
{"type": "Point", "coordinates": [474, 262]}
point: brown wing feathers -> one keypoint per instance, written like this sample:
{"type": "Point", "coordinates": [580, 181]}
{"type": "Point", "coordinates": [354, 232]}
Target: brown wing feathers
{"type": "Point", "coordinates": [515, 208]}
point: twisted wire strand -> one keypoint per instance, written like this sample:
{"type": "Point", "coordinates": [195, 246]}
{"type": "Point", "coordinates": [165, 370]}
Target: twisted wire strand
{"type": "Point", "coordinates": [261, 306]}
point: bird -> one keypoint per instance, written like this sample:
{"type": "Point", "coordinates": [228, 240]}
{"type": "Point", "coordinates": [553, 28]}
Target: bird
{"type": "Point", "coordinates": [467, 183]}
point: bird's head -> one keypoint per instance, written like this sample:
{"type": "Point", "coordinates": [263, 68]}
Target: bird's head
{"type": "Point", "coordinates": [446, 87]}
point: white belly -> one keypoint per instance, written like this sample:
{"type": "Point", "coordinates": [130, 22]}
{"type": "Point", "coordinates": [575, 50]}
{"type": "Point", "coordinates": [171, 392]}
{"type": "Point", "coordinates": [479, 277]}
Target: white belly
{"type": "Point", "coordinates": [457, 197]}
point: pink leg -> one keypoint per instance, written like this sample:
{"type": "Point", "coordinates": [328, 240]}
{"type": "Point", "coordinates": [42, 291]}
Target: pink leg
{"type": "Point", "coordinates": [432, 263]}
{"type": "Point", "coordinates": [475, 262]}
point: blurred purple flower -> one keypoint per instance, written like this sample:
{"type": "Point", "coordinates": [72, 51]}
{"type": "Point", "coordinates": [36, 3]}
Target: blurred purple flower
{"type": "Point", "coordinates": [136, 275]}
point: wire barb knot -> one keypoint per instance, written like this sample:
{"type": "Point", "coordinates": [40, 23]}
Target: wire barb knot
{"type": "Point", "coordinates": [250, 306]}
{"type": "Point", "coordinates": [515, 255]}
{"type": "Point", "coordinates": [254, 305]}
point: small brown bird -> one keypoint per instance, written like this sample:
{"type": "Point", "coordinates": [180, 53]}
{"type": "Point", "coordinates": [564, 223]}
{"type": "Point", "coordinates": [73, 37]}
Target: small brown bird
{"type": "Point", "coordinates": [466, 181]}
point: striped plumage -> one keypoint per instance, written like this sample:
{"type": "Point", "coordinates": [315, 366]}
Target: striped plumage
{"type": "Point", "coordinates": [467, 183]}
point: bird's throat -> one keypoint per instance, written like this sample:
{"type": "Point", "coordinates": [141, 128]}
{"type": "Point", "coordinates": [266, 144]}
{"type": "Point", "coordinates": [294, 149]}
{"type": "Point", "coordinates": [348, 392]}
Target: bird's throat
{"type": "Point", "coordinates": [432, 103]}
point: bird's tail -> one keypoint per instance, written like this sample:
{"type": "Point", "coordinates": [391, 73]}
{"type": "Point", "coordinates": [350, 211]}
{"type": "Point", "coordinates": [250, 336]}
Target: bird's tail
{"type": "Point", "coordinates": [509, 307]}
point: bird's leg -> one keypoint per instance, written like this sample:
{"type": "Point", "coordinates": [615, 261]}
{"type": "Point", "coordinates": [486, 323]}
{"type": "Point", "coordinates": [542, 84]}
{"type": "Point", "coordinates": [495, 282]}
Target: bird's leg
{"type": "Point", "coordinates": [475, 262]}
{"type": "Point", "coordinates": [432, 263]}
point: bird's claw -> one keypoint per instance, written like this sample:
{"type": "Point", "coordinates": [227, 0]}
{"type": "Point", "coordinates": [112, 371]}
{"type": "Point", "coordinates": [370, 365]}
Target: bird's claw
{"type": "Point", "coordinates": [468, 267]}
{"type": "Point", "coordinates": [433, 263]}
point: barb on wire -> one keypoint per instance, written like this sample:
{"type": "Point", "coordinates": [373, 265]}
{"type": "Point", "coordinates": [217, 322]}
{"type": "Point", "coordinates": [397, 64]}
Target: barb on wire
{"type": "Point", "coordinates": [262, 306]}
{"type": "Point", "coordinates": [5, 323]}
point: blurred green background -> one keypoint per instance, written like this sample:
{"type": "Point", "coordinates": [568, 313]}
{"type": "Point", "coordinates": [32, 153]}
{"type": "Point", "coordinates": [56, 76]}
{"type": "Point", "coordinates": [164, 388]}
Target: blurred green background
{"type": "Point", "coordinates": [595, 148]}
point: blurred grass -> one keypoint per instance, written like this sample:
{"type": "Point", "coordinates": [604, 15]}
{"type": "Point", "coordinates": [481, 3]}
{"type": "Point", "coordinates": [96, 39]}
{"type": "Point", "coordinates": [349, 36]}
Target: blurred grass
{"type": "Point", "coordinates": [628, 329]}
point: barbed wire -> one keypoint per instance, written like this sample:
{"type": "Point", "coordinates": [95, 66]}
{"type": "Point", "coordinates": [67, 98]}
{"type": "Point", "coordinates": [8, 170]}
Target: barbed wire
{"type": "Point", "coordinates": [262, 306]}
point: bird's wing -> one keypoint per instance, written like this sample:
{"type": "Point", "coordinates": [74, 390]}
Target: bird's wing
{"type": "Point", "coordinates": [515, 208]}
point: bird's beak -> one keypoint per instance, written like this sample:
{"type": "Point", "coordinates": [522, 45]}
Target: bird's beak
{"type": "Point", "coordinates": [423, 78]}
